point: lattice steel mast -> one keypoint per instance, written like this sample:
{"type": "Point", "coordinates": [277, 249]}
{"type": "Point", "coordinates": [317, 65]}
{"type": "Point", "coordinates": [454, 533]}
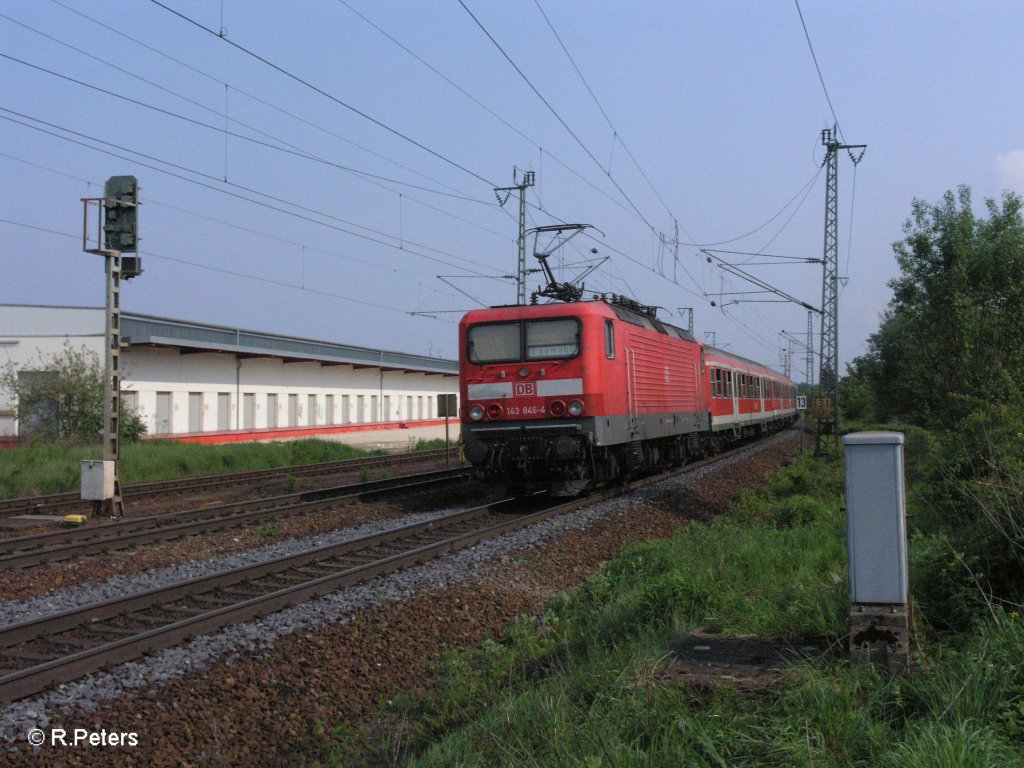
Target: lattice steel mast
{"type": "Point", "coordinates": [521, 187]}
{"type": "Point", "coordinates": [826, 409]}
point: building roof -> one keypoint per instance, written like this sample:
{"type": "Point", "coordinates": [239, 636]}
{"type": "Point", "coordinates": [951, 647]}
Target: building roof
{"type": "Point", "coordinates": [150, 331]}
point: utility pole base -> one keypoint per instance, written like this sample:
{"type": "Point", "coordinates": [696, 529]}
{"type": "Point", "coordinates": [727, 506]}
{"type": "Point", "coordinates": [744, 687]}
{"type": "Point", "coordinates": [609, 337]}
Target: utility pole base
{"type": "Point", "coordinates": [880, 635]}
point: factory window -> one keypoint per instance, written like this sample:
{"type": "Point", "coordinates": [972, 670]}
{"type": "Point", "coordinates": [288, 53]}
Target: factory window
{"type": "Point", "coordinates": [271, 411]}
{"type": "Point", "coordinates": [609, 339]}
{"type": "Point", "coordinates": [129, 402]}
{"type": "Point", "coordinates": [494, 343]}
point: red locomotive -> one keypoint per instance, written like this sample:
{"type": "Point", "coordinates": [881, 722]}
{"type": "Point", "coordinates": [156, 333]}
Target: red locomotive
{"type": "Point", "coordinates": [564, 395]}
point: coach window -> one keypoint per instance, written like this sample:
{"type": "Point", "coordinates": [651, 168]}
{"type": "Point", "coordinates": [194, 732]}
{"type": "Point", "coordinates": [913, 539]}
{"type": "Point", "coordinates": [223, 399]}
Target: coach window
{"type": "Point", "coordinates": [494, 343]}
{"type": "Point", "coordinates": [609, 340]}
{"type": "Point", "coordinates": [552, 339]}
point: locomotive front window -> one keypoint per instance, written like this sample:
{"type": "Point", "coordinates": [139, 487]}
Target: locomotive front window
{"type": "Point", "coordinates": [551, 339]}
{"type": "Point", "coordinates": [494, 343]}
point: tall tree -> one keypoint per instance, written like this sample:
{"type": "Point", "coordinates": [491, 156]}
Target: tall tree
{"type": "Point", "coordinates": [955, 325]}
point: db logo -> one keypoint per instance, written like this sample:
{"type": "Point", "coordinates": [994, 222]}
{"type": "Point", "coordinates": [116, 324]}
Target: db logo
{"type": "Point", "coordinates": [525, 389]}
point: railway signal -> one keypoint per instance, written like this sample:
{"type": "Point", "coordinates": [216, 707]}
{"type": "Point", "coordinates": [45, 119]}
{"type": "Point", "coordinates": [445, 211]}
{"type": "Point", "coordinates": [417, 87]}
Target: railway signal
{"type": "Point", "coordinates": [116, 233]}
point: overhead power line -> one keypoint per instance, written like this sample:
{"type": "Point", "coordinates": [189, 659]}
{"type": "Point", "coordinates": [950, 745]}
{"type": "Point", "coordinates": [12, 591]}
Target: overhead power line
{"type": "Point", "coordinates": [287, 148]}
{"type": "Point", "coordinates": [230, 272]}
{"type": "Point", "coordinates": [557, 116]}
{"type": "Point", "coordinates": [397, 246]}
{"type": "Point", "coordinates": [326, 94]}
{"type": "Point", "coordinates": [615, 132]}
{"type": "Point", "coordinates": [488, 110]}
{"type": "Point", "coordinates": [817, 67]}
{"type": "Point", "coordinates": [236, 89]}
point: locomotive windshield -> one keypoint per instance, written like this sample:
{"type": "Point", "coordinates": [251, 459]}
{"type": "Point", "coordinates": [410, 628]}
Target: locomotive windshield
{"type": "Point", "coordinates": [520, 341]}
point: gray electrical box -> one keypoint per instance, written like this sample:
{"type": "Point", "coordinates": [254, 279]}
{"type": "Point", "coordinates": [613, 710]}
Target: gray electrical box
{"type": "Point", "coordinates": [876, 517]}
{"type": "Point", "coordinates": [97, 480]}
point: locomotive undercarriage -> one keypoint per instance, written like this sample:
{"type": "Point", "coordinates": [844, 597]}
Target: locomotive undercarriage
{"type": "Point", "coordinates": [563, 460]}
{"type": "Point", "coordinates": [568, 464]}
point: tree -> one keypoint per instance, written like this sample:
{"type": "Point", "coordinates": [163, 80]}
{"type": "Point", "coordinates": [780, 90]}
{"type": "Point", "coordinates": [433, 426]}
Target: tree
{"type": "Point", "coordinates": [61, 395]}
{"type": "Point", "coordinates": [953, 333]}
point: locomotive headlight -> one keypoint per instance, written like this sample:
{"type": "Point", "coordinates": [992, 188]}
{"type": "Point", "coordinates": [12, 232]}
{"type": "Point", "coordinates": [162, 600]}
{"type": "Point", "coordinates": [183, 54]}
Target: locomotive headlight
{"type": "Point", "coordinates": [575, 407]}
{"type": "Point", "coordinates": [556, 407]}
{"type": "Point", "coordinates": [494, 411]}
{"type": "Point", "coordinates": [476, 412]}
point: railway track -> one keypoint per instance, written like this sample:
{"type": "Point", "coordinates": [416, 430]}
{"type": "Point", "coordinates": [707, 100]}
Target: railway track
{"type": "Point", "coordinates": [32, 550]}
{"type": "Point", "coordinates": [63, 646]}
{"type": "Point", "coordinates": [55, 503]}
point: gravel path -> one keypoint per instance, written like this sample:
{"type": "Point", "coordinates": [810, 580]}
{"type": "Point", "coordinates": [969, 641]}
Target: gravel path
{"type": "Point", "coordinates": [242, 641]}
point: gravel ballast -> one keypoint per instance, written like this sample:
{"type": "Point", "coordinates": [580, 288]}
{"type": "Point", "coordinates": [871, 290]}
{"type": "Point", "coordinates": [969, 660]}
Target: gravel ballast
{"type": "Point", "coordinates": [239, 644]}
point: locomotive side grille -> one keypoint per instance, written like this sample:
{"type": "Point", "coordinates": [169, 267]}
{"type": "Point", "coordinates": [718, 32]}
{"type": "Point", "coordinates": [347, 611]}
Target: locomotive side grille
{"type": "Point", "coordinates": [654, 361]}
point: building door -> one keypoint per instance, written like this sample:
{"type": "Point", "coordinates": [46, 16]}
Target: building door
{"type": "Point", "coordinates": [195, 411]}
{"type": "Point", "coordinates": [374, 412]}
{"type": "Point", "coordinates": [271, 411]}
{"type": "Point", "coordinates": [293, 410]}
{"type": "Point", "coordinates": [223, 411]}
{"type": "Point", "coordinates": [329, 409]}
{"type": "Point", "coordinates": [248, 410]}
{"type": "Point", "coordinates": [346, 416]}
{"type": "Point", "coordinates": [311, 410]}
{"type": "Point", "coordinates": [360, 404]}
{"type": "Point", "coordinates": [386, 416]}
{"type": "Point", "coordinates": [163, 413]}
{"type": "Point", "coordinates": [408, 407]}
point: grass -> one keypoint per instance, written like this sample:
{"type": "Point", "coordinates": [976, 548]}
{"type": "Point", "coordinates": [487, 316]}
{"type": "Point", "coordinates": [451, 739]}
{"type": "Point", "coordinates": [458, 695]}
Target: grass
{"type": "Point", "coordinates": [595, 680]}
{"type": "Point", "coordinates": [41, 468]}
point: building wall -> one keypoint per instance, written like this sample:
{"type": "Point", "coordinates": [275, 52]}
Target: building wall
{"type": "Point", "coordinates": [218, 382]}
{"type": "Point", "coordinates": [28, 333]}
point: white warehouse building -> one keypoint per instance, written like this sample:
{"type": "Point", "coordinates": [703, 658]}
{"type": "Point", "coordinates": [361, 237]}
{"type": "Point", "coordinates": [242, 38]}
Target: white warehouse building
{"type": "Point", "coordinates": [207, 383]}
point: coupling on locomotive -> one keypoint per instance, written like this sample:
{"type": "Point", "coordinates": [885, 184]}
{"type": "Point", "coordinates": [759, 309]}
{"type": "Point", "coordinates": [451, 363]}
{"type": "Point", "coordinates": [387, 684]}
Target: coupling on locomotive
{"type": "Point", "coordinates": [574, 393]}
{"type": "Point", "coordinates": [563, 396]}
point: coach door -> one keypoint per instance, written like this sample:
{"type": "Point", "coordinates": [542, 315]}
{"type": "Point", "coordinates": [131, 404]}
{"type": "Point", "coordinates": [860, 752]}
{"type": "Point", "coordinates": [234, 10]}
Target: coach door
{"type": "Point", "coordinates": [734, 391]}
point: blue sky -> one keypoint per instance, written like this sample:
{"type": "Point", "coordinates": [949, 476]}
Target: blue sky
{"type": "Point", "coordinates": [357, 215]}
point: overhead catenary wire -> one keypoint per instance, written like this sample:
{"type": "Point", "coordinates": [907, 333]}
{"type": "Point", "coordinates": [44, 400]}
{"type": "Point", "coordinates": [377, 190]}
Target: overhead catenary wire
{"type": "Point", "coordinates": [326, 94]}
{"type": "Point", "coordinates": [231, 272]}
{"type": "Point", "coordinates": [817, 68]}
{"type": "Point", "coordinates": [615, 131]}
{"type": "Point", "coordinates": [270, 105]}
{"type": "Point", "coordinates": [296, 151]}
{"type": "Point", "coordinates": [230, 193]}
{"type": "Point", "coordinates": [286, 147]}
{"type": "Point", "coordinates": [557, 116]}
{"type": "Point", "coordinates": [519, 132]}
